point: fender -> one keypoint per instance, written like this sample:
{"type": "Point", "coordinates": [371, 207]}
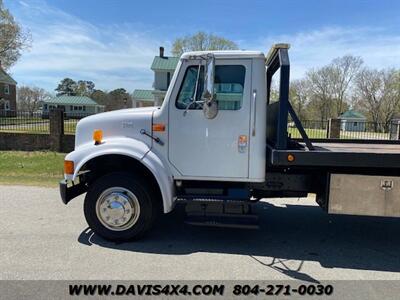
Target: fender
{"type": "Point", "coordinates": [132, 148]}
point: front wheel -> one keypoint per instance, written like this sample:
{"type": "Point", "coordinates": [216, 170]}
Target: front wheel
{"type": "Point", "coordinates": [120, 207]}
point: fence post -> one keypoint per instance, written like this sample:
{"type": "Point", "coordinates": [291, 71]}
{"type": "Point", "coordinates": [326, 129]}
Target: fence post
{"type": "Point", "coordinates": [56, 117]}
{"type": "Point", "coordinates": [334, 128]}
{"type": "Point", "coordinates": [395, 130]}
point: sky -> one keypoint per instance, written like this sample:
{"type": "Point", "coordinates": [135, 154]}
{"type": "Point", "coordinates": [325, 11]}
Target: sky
{"type": "Point", "coordinates": [113, 42]}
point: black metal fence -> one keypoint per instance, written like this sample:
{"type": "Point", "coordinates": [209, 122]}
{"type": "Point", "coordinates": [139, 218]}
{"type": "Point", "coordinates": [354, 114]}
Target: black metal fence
{"type": "Point", "coordinates": [24, 122]}
{"type": "Point", "coordinates": [36, 122]}
{"type": "Point", "coordinates": [348, 130]}
{"type": "Point", "coordinates": [314, 129]}
{"type": "Point", "coordinates": [368, 130]}
{"type": "Point", "coordinates": [71, 120]}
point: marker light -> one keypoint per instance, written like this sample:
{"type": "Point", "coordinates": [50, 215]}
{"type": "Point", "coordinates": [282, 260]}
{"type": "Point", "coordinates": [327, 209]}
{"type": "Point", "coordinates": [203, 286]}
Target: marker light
{"type": "Point", "coordinates": [158, 127]}
{"type": "Point", "coordinates": [290, 157]}
{"type": "Point", "coordinates": [97, 136]}
{"type": "Point", "coordinates": [68, 167]}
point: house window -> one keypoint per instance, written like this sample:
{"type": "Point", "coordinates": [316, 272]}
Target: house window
{"type": "Point", "coordinates": [7, 105]}
{"type": "Point", "coordinates": [355, 124]}
{"type": "Point", "coordinates": [6, 89]}
{"type": "Point", "coordinates": [45, 106]}
{"type": "Point", "coordinates": [84, 108]}
{"type": "Point", "coordinates": [71, 107]}
{"type": "Point", "coordinates": [168, 79]}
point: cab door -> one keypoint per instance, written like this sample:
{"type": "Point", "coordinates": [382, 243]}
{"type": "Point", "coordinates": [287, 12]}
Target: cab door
{"type": "Point", "coordinates": [212, 148]}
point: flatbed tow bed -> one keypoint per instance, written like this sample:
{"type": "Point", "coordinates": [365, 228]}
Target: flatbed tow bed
{"type": "Point", "coordinates": [339, 154]}
{"type": "Point", "coordinates": [326, 154]}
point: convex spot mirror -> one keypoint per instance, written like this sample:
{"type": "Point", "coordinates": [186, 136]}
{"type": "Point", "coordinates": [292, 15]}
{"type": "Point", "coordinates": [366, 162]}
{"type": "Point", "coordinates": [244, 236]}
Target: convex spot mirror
{"type": "Point", "coordinates": [210, 106]}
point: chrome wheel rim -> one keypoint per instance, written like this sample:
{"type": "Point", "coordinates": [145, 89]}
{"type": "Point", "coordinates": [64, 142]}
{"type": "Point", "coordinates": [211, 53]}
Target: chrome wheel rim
{"type": "Point", "coordinates": [117, 208]}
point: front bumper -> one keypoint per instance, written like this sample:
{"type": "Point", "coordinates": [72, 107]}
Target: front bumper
{"type": "Point", "coordinates": [70, 192]}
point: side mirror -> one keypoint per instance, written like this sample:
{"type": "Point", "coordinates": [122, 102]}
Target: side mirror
{"type": "Point", "coordinates": [210, 106]}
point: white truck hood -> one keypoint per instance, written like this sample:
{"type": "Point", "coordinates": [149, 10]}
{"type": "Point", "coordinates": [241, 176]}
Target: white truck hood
{"type": "Point", "coordinates": [118, 123]}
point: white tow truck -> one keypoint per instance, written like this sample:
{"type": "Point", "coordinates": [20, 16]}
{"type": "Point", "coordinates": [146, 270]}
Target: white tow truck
{"type": "Point", "coordinates": [219, 143]}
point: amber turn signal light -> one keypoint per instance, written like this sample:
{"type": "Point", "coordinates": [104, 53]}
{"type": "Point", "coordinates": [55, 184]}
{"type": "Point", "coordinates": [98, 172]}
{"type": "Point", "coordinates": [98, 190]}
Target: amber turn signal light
{"type": "Point", "coordinates": [68, 167]}
{"type": "Point", "coordinates": [97, 136]}
{"type": "Point", "coordinates": [290, 157]}
{"type": "Point", "coordinates": [158, 127]}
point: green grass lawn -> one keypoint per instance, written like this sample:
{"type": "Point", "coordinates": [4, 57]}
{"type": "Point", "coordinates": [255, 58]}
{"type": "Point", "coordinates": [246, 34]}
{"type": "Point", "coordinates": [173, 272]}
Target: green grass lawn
{"type": "Point", "coordinates": [31, 168]}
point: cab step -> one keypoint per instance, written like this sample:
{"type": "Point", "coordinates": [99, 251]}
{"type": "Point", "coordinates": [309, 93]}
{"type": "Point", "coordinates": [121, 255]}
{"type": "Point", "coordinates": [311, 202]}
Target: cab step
{"type": "Point", "coordinates": [225, 220]}
{"type": "Point", "coordinates": [220, 213]}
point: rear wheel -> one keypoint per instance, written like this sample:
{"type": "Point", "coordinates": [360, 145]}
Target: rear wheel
{"type": "Point", "coordinates": [120, 207]}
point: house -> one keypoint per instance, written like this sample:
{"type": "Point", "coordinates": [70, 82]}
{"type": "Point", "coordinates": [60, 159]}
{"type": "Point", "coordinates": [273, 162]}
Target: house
{"type": "Point", "coordinates": [8, 94]}
{"type": "Point", "coordinates": [73, 106]}
{"type": "Point", "coordinates": [163, 68]}
{"type": "Point", "coordinates": [142, 98]}
{"type": "Point", "coordinates": [352, 120]}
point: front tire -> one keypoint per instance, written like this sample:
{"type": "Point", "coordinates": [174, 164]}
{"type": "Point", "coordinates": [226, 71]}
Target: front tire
{"type": "Point", "coordinates": [120, 207]}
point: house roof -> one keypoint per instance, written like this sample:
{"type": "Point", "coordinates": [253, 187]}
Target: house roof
{"type": "Point", "coordinates": [72, 100]}
{"type": "Point", "coordinates": [352, 114]}
{"type": "Point", "coordinates": [143, 95]}
{"type": "Point", "coordinates": [5, 78]}
{"type": "Point", "coordinates": [164, 63]}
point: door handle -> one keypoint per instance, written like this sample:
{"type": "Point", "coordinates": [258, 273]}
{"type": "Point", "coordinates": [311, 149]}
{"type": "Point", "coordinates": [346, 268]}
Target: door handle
{"type": "Point", "coordinates": [253, 132]}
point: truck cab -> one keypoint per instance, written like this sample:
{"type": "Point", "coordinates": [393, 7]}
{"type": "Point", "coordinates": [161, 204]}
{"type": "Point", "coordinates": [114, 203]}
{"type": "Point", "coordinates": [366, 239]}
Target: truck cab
{"type": "Point", "coordinates": [217, 144]}
{"type": "Point", "coordinates": [230, 146]}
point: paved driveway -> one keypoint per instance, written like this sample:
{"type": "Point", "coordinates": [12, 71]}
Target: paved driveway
{"type": "Point", "coordinates": [40, 238]}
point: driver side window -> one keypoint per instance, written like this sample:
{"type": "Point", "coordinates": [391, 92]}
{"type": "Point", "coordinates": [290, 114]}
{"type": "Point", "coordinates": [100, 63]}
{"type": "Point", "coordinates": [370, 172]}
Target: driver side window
{"type": "Point", "coordinates": [228, 87]}
{"type": "Point", "coordinates": [186, 93]}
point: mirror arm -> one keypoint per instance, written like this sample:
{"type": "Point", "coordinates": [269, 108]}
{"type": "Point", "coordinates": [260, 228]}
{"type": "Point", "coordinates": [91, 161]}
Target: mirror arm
{"type": "Point", "coordinates": [197, 82]}
{"type": "Point", "coordinates": [195, 91]}
{"type": "Point", "coordinates": [190, 104]}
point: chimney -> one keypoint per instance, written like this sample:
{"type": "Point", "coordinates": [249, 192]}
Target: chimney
{"type": "Point", "coordinates": [161, 51]}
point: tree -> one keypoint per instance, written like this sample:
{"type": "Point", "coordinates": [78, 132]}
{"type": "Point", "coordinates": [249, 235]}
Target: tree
{"type": "Point", "coordinates": [13, 39]}
{"type": "Point", "coordinates": [377, 92]}
{"type": "Point", "coordinates": [84, 88]}
{"type": "Point", "coordinates": [101, 98]}
{"type": "Point", "coordinates": [342, 72]}
{"type": "Point", "coordinates": [328, 87]}
{"type": "Point", "coordinates": [391, 97]}
{"type": "Point", "coordinates": [30, 98]}
{"type": "Point", "coordinates": [320, 89]}
{"type": "Point", "coordinates": [299, 97]}
{"type": "Point", "coordinates": [70, 87]}
{"type": "Point", "coordinates": [119, 98]}
{"type": "Point", "coordinates": [67, 86]}
{"type": "Point", "coordinates": [201, 41]}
